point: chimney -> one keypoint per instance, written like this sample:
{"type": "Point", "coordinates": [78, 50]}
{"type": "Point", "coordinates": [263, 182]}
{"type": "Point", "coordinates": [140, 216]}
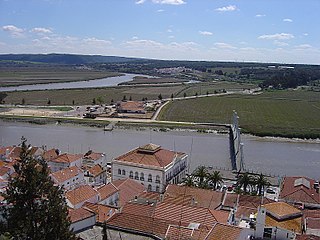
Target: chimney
{"type": "Point", "coordinates": [316, 186]}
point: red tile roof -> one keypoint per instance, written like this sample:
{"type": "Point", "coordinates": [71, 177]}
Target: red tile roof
{"type": "Point", "coordinates": [224, 232]}
{"type": "Point", "coordinates": [81, 194]}
{"type": "Point", "coordinates": [50, 154]}
{"type": "Point", "coordinates": [157, 157]}
{"type": "Point", "coordinates": [103, 212]}
{"type": "Point", "coordinates": [176, 232]}
{"type": "Point", "coordinates": [143, 224]}
{"type": "Point", "coordinates": [65, 174]}
{"type": "Point", "coordinates": [4, 170]}
{"type": "Point", "coordinates": [193, 196]}
{"type": "Point", "coordinates": [80, 214]}
{"type": "Point", "coordinates": [93, 155]}
{"type": "Point", "coordinates": [299, 189]}
{"type": "Point", "coordinates": [3, 150]}
{"type": "Point", "coordinates": [154, 196]}
{"type": "Point", "coordinates": [96, 170]}
{"type": "Point", "coordinates": [67, 158]}
{"type": "Point", "coordinates": [139, 209]}
{"type": "Point", "coordinates": [107, 190]}
{"type": "Point", "coordinates": [133, 106]}
{"type": "Point", "coordinates": [253, 201]}
{"type": "Point", "coordinates": [188, 214]}
{"type": "Point", "coordinates": [128, 189]}
{"type": "Point", "coordinates": [307, 237]}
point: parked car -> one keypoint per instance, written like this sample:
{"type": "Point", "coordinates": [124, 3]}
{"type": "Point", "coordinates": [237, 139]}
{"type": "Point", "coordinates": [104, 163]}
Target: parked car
{"type": "Point", "coordinates": [89, 115]}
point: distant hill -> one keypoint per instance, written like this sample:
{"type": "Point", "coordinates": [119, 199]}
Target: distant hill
{"type": "Point", "coordinates": [64, 58]}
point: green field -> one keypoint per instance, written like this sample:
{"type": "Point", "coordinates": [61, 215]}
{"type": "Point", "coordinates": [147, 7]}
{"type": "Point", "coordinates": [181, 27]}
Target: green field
{"type": "Point", "coordinates": [283, 113]}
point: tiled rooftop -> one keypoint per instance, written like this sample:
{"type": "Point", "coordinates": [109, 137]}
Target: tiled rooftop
{"type": "Point", "coordinates": [79, 214]}
{"type": "Point", "coordinates": [139, 209]}
{"type": "Point", "coordinates": [65, 174]}
{"type": "Point", "coordinates": [282, 210]}
{"type": "Point", "coordinates": [103, 212]}
{"type": "Point", "coordinates": [96, 170]}
{"type": "Point", "coordinates": [188, 214]}
{"type": "Point", "coordinates": [128, 189]}
{"type": "Point", "coordinates": [50, 154]}
{"type": "Point", "coordinates": [157, 158]}
{"type": "Point", "coordinates": [67, 158]}
{"type": "Point", "coordinates": [81, 194]}
{"type": "Point", "coordinates": [224, 232]}
{"type": "Point", "coordinates": [193, 196]}
{"type": "Point", "coordinates": [107, 191]}
{"type": "Point", "coordinates": [299, 189]}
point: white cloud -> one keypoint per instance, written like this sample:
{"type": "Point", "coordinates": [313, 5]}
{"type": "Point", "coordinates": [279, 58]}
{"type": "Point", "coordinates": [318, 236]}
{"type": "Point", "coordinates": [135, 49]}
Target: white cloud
{"type": "Point", "coordinates": [96, 41]}
{"type": "Point", "coordinates": [171, 2]}
{"type": "Point", "coordinates": [229, 8]}
{"type": "Point", "coordinates": [13, 30]}
{"type": "Point", "coordinates": [260, 15]}
{"type": "Point", "coordinates": [160, 10]}
{"type": "Point", "coordinates": [205, 33]}
{"type": "Point", "coordinates": [303, 46]}
{"type": "Point", "coordinates": [277, 36]}
{"type": "Point", "coordinates": [280, 44]}
{"type": "Point", "coordinates": [306, 34]}
{"type": "Point", "coordinates": [41, 30]}
{"type": "Point", "coordinates": [140, 1]}
{"type": "Point", "coordinates": [224, 45]}
{"type": "Point", "coordinates": [287, 20]}
{"type": "Point", "coordinates": [169, 30]}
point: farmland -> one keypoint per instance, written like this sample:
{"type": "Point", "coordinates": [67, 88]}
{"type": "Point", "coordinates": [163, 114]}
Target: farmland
{"type": "Point", "coordinates": [279, 113]}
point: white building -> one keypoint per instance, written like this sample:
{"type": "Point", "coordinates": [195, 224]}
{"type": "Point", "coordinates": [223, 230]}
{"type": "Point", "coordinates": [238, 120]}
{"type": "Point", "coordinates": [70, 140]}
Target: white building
{"type": "Point", "coordinates": [152, 166]}
{"type": "Point", "coordinates": [69, 178]}
{"type": "Point", "coordinates": [65, 160]}
{"type": "Point", "coordinates": [92, 158]}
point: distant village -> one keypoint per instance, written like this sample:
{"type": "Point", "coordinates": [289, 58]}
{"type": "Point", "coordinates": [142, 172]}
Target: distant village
{"type": "Point", "coordinates": [143, 194]}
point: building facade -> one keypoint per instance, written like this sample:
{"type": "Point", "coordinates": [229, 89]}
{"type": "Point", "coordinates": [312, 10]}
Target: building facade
{"type": "Point", "coordinates": [152, 166]}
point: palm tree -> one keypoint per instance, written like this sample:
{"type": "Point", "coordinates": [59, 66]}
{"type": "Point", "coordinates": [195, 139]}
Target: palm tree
{"type": "Point", "coordinates": [215, 178]}
{"type": "Point", "coordinates": [244, 180]}
{"type": "Point", "coordinates": [201, 174]}
{"type": "Point", "coordinates": [189, 180]}
{"type": "Point", "coordinates": [261, 182]}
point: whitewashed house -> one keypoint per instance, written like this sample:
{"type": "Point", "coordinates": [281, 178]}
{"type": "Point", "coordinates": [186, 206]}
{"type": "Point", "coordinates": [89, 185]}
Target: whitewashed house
{"type": "Point", "coordinates": [152, 166]}
{"type": "Point", "coordinates": [81, 219]}
{"type": "Point", "coordinates": [92, 158]}
{"type": "Point", "coordinates": [96, 175]}
{"type": "Point", "coordinates": [109, 195]}
{"type": "Point", "coordinates": [69, 178]}
{"type": "Point", "coordinates": [65, 160]}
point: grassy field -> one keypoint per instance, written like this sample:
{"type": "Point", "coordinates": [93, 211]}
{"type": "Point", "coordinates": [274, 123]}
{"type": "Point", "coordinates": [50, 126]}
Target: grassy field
{"type": "Point", "coordinates": [86, 96]}
{"type": "Point", "coordinates": [283, 113]}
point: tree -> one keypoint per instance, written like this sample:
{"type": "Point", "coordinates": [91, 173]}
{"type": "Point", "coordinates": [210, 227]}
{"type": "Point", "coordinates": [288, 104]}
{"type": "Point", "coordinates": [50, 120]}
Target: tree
{"type": "Point", "coordinates": [184, 95]}
{"type": "Point", "coordinates": [124, 98]}
{"type": "Point", "coordinates": [160, 97]}
{"type": "Point", "coordinates": [104, 231]}
{"type": "Point", "coordinates": [130, 98]}
{"type": "Point", "coordinates": [244, 180]}
{"type": "Point", "coordinates": [49, 102]}
{"type": "Point", "coordinates": [189, 180]}
{"type": "Point", "coordinates": [261, 182]}
{"type": "Point", "coordinates": [100, 100]}
{"type": "Point", "coordinates": [196, 94]}
{"type": "Point", "coordinates": [23, 101]}
{"type": "Point", "coordinates": [93, 101]}
{"type": "Point", "coordinates": [38, 208]}
{"type": "Point", "coordinates": [73, 102]}
{"type": "Point", "coordinates": [171, 96]}
{"type": "Point", "coordinates": [215, 178]}
{"type": "Point", "coordinates": [201, 174]}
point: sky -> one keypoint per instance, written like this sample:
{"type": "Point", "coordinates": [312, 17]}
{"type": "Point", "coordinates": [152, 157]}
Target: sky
{"type": "Point", "coordinates": [282, 31]}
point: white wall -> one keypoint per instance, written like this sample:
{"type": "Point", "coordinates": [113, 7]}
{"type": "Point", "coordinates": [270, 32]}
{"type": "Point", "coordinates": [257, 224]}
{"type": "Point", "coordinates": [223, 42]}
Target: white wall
{"type": "Point", "coordinates": [83, 224]}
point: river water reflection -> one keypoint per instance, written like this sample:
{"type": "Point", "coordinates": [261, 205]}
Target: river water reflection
{"type": "Point", "coordinates": [103, 82]}
{"type": "Point", "coordinates": [260, 154]}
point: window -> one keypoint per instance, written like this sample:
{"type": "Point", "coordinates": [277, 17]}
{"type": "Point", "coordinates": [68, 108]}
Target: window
{"type": "Point", "coordinates": [149, 188]}
{"type": "Point", "coordinates": [119, 171]}
{"type": "Point", "coordinates": [149, 178]}
{"type": "Point", "coordinates": [157, 179]}
{"type": "Point", "coordinates": [136, 175]}
{"type": "Point", "coordinates": [142, 176]}
{"type": "Point", "coordinates": [157, 189]}
{"type": "Point", "coordinates": [123, 172]}
{"type": "Point", "coordinates": [131, 174]}
{"type": "Point", "coordinates": [267, 233]}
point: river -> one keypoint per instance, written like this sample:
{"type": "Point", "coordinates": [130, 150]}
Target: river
{"type": "Point", "coordinates": [102, 82]}
{"type": "Point", "coordinates": [279, 157]}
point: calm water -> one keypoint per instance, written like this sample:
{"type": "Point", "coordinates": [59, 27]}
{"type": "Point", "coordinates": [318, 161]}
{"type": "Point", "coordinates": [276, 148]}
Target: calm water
{"type": "Point", "coordinates": [266, 155]}
{"type": "Point", "coordinates": [103, 82]}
